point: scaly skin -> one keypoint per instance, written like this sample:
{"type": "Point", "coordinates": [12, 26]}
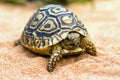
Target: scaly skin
{"type": "Point", "coordinates": [54, 58]}
{"type": "Point", "coordinates": [17, 42]}
{"type": "Point", "coordinates": [57, 52]}
{"type": "Point", "coordinates": [87, 44]}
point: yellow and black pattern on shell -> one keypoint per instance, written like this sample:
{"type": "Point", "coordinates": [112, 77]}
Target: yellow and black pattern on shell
{"type": "Point", "coordinates": [36, 19]}
{"type": "Point", "coordinates": [50, 25]}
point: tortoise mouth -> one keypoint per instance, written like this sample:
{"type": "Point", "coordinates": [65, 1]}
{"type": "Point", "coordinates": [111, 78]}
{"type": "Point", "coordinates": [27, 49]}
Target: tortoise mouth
{"type": "Point", "coordinates": [70, 46]}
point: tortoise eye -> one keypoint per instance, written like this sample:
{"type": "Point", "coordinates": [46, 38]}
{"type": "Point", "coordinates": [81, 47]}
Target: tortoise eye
{"type": "Point", "coordinates": [68, 39]}
{"type": "Point", "coordinates": [72, 44]}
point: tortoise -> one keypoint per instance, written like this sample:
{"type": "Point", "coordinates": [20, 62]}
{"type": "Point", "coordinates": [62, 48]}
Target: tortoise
{"type": "Point", "coordinates": [56, 32]}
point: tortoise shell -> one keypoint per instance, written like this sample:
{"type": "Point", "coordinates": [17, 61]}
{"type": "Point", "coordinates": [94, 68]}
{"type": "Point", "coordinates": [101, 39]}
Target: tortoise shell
{"type": "Point", "coordinates": [49, 25]}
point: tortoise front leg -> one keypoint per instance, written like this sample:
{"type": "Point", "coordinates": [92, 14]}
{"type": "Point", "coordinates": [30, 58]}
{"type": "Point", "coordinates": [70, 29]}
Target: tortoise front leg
{"type": "Point", "coordinates": [89, 47]}
{"type": "Point", "coordinates": [54, 58]}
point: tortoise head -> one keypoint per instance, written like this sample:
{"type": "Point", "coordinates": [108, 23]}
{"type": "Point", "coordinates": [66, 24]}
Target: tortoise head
{"type": "Point", "coordinates": [72, 40]}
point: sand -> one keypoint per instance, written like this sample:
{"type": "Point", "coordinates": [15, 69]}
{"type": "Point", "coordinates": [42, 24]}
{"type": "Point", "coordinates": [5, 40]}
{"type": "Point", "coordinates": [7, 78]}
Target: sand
{"type": "Point", "coordinates": [102, 21]}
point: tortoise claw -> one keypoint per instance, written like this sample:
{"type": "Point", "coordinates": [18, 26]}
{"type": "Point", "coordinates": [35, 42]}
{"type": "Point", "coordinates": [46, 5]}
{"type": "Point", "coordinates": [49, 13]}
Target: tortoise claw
{"type": "Point", "coordinates": [50, 68]}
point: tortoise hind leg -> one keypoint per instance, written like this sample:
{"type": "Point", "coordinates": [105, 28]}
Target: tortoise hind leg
{"type": "Point", "coordinates": [17, 42]}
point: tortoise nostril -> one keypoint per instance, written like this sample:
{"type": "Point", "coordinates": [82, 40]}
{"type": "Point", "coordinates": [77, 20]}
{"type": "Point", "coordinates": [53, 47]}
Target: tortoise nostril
{"type": "Point", "coordinates": [72, 44]}
{"type": "Point", "coordinates": [77, 44]}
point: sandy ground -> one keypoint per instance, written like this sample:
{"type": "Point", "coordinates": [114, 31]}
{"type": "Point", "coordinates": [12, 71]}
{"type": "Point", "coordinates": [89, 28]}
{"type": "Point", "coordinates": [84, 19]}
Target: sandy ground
{"type": "Point", "coordinates": [102, 20]}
